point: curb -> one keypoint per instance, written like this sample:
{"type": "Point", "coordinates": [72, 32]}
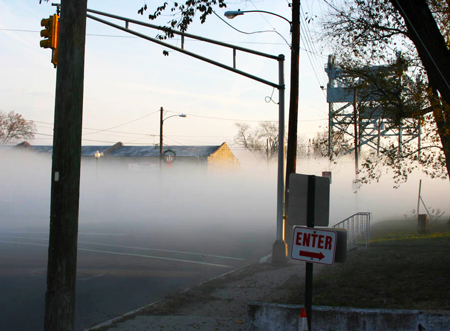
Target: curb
{"type": "Point", "coordinates": [272, 317]}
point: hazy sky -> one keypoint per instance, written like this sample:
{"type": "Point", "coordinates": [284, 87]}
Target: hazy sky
{"type": "Point", "coordinates": [128, 79]}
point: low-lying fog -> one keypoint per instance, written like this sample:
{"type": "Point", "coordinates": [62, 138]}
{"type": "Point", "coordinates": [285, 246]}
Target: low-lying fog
{"type": "Point", "coordinates": [183, 199]}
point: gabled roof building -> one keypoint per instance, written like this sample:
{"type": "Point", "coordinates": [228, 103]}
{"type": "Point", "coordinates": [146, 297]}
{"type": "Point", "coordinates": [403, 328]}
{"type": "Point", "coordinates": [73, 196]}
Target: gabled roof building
{"type": "Point", "coordinates": [141, 157]}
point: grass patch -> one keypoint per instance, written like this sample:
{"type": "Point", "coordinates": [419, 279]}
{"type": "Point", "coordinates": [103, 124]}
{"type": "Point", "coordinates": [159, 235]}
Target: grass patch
{"type": "Point", "coordinates": [401, 270]}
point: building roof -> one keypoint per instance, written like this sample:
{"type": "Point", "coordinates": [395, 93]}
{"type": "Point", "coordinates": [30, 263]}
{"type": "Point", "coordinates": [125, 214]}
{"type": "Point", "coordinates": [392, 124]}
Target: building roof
{"type": "Point", "coordinates": [119, 150]}
{"type": "Point", "coordinates": [149, 151]}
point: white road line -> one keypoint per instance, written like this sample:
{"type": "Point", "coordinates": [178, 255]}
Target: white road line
{"type": "Point", "coordinates": [141, 248]}
{"type": "Point", "coordinates": [126, 254]}
{"type": "Point", "coordinates": [104, 234]}
{"type": "Point", "coordinates": [89, 233]}
{"type": "Point", "coordinates": [88, 278]}
{"type": "Point", "coordinates": [165, 250]}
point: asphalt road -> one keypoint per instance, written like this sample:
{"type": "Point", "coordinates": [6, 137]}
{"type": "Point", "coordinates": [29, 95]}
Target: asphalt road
{"type": "Point", "coordinates": [118, 269]}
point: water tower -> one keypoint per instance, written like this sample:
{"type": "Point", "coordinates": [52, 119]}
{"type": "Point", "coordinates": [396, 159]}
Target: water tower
{"type": "Point", "coordinates": [359, 114]}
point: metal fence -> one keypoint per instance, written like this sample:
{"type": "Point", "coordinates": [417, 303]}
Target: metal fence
{"type": "Point", "coordinates": [358, 230]}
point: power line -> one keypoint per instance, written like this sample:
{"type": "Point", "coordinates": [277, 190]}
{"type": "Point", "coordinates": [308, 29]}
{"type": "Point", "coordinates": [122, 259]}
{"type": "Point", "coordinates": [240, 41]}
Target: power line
{"type": "Point", "coordinates": [306, 37]}
{"type": "Point", "coordinates": [133, 37]}
{"type": "Point", "coordinates": [111, 131]}
{"type": "Point", "coordinates": [244, 32]}
{"type": "Point", "coordinates": [135, 120]}
{"type": "Point", "coordinates": [332, 6]}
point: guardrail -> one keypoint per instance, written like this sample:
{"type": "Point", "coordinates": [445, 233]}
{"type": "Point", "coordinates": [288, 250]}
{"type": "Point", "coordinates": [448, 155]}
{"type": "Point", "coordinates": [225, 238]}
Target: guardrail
{"type": "Point", "coordinates": [358, 229]}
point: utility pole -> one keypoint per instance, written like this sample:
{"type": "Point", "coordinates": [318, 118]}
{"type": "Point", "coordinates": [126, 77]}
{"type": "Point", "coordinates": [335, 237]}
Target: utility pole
{"type": "Point", "coordinates": [291, 159]}
{"type": "Point", "coordinates": [161, 122]}
{"type": "Point", "coordinates": [65, 187]}
{"type": "Point", "coordinates": [356, 131]}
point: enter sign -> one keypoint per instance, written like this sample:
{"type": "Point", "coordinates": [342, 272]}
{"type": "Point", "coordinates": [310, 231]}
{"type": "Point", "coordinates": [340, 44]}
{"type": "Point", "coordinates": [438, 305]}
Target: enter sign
{"type": "Point", "coordinates": [314, 245]}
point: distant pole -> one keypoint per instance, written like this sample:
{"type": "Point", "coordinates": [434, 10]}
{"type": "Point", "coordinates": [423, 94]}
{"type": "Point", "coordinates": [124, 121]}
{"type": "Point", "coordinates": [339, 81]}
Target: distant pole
{"type": "Point", "coordinates": [161, 122]}
{"type": "Point", "coordinates": [418, 199]}
{"type": "Point", "coordinates": [355, 121]}
{"type": "Point", "coordinates": [330, 130]}
{"type": "Point", "coordinates": [65, 187]}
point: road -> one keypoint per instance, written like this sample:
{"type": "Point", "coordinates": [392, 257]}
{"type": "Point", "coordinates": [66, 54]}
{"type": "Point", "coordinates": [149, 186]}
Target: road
{"type": "Point", "coordinates": [118, 269]}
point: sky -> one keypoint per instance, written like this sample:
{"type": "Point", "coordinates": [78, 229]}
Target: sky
{"type": "Point", "coordinates": [128, 79]}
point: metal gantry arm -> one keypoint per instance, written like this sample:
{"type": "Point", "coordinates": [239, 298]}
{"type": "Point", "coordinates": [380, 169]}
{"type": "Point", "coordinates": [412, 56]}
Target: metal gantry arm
{"type": "Point", "coordinates": [182, 50]}
{"type": "Point", "coordinates": [280, 86]}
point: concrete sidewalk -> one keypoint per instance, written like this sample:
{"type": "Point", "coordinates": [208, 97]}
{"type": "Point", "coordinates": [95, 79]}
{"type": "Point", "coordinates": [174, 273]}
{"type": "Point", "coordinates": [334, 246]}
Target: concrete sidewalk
{"type": "Point", "coordinates": [219, 304]}
{"type": "Point", "coordinates": [250, 298]}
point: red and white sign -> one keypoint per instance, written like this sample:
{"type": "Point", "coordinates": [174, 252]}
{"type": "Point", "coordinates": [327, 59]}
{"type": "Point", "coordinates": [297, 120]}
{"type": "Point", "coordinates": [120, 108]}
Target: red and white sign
{"type": "Point", "coordinates": [314, 245]}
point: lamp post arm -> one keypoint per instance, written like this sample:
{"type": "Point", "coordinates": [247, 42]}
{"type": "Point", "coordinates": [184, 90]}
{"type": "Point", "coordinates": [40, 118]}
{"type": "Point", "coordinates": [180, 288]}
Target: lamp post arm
{"type": "Point", "coordinates": [267, 12]}
{"type": "Point", "coordinates": [172, 116]}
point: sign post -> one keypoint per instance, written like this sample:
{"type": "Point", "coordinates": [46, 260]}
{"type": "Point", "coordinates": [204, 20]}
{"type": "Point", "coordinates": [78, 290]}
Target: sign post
{"type": "Point", "coordinates": [310, 216]}
{"type": "Point", "coordinates": [309, 204]}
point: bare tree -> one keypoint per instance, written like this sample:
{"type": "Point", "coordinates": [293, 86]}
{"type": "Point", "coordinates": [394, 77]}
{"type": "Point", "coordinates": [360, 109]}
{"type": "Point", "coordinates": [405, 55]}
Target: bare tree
{"type": "Point", "coordinates": [263, 139]}
{"type": "Point", "coordinates": [319, 144]}
{"type": "Point", "coordinates": [14, 127]}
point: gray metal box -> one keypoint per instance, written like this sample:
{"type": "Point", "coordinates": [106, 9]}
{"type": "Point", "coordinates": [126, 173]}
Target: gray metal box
{"type": "Point", "coordinates": [298, 200]}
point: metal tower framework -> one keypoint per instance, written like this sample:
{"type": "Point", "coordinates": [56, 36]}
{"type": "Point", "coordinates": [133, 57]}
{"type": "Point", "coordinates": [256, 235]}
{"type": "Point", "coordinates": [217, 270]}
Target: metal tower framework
{"type": "Point", "coordinates": [371, 124]}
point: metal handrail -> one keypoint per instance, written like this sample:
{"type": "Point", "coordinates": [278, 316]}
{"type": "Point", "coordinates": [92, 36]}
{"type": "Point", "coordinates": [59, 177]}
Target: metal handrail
{"type": "Point", "coordinates": [358, 229]}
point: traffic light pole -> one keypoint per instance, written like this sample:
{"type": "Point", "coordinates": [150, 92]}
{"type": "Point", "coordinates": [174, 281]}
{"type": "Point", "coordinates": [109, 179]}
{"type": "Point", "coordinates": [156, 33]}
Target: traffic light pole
{"type": "Point", "coordinates": [65, 187]}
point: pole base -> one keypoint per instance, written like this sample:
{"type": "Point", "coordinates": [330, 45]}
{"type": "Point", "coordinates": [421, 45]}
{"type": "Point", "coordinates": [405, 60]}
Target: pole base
{"type": "Point", "coordinates": [279, 252]}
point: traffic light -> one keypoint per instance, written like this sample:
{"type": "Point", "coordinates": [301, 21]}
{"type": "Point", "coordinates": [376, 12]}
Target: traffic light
{"type": "Point", "coordinates": [51, 36]}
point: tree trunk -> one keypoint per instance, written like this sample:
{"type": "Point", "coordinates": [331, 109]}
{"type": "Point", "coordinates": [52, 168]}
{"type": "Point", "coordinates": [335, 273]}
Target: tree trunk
{"type": "Point", "coordinates": [432, 49]}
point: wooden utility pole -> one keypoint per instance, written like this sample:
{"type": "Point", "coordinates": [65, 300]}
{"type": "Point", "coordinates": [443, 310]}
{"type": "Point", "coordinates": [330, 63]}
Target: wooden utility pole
{"type": "Point", "coordinates": [291, 158]}
{"type": "Point", "coordinates": [65, 187]}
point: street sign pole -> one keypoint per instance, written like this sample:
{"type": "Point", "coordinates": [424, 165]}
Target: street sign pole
{"type": "Point", "coordinates": [309, 266]}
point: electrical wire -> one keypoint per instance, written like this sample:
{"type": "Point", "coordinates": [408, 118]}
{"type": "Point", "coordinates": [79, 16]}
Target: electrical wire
{"type": "Point", "coordinates": [174, 39]}
{"type": "Point", "coordinates": [135, 120]}
{"type": "Point", "coordinates": [222, 118]}
{"type": "Point", "coordinates": [306, 37]}
{"type": "Point", "coordinates": [111, 131]}
{"type": "Point", "coordinates": [332, 6]}
{"type": "Point", "coordinates": [262, 31]}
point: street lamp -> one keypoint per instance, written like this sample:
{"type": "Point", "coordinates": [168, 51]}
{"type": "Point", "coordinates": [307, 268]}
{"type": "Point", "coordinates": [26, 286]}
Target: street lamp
{"type": "Point", "coordinates": [97, 155]}
{"type": "Point", "coordinates": [161, 129]}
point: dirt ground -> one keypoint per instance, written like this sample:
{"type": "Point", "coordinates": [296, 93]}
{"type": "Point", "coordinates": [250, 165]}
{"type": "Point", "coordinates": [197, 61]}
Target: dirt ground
{"type": "Point", "coordinates": [401, 269]}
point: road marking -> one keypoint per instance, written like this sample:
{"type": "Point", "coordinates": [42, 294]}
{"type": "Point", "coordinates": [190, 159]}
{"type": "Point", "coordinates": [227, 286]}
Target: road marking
{"type": "Point", "coordinates": [142, 248]}
{"type": "Point", "coordinates": [89, 277]}
{"type": "Point", "coordinates": [89, 233]}
{"type": "Point", "coordinates": [126, 254]}
{"type": "Point", "coordinates": [165, 250]}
